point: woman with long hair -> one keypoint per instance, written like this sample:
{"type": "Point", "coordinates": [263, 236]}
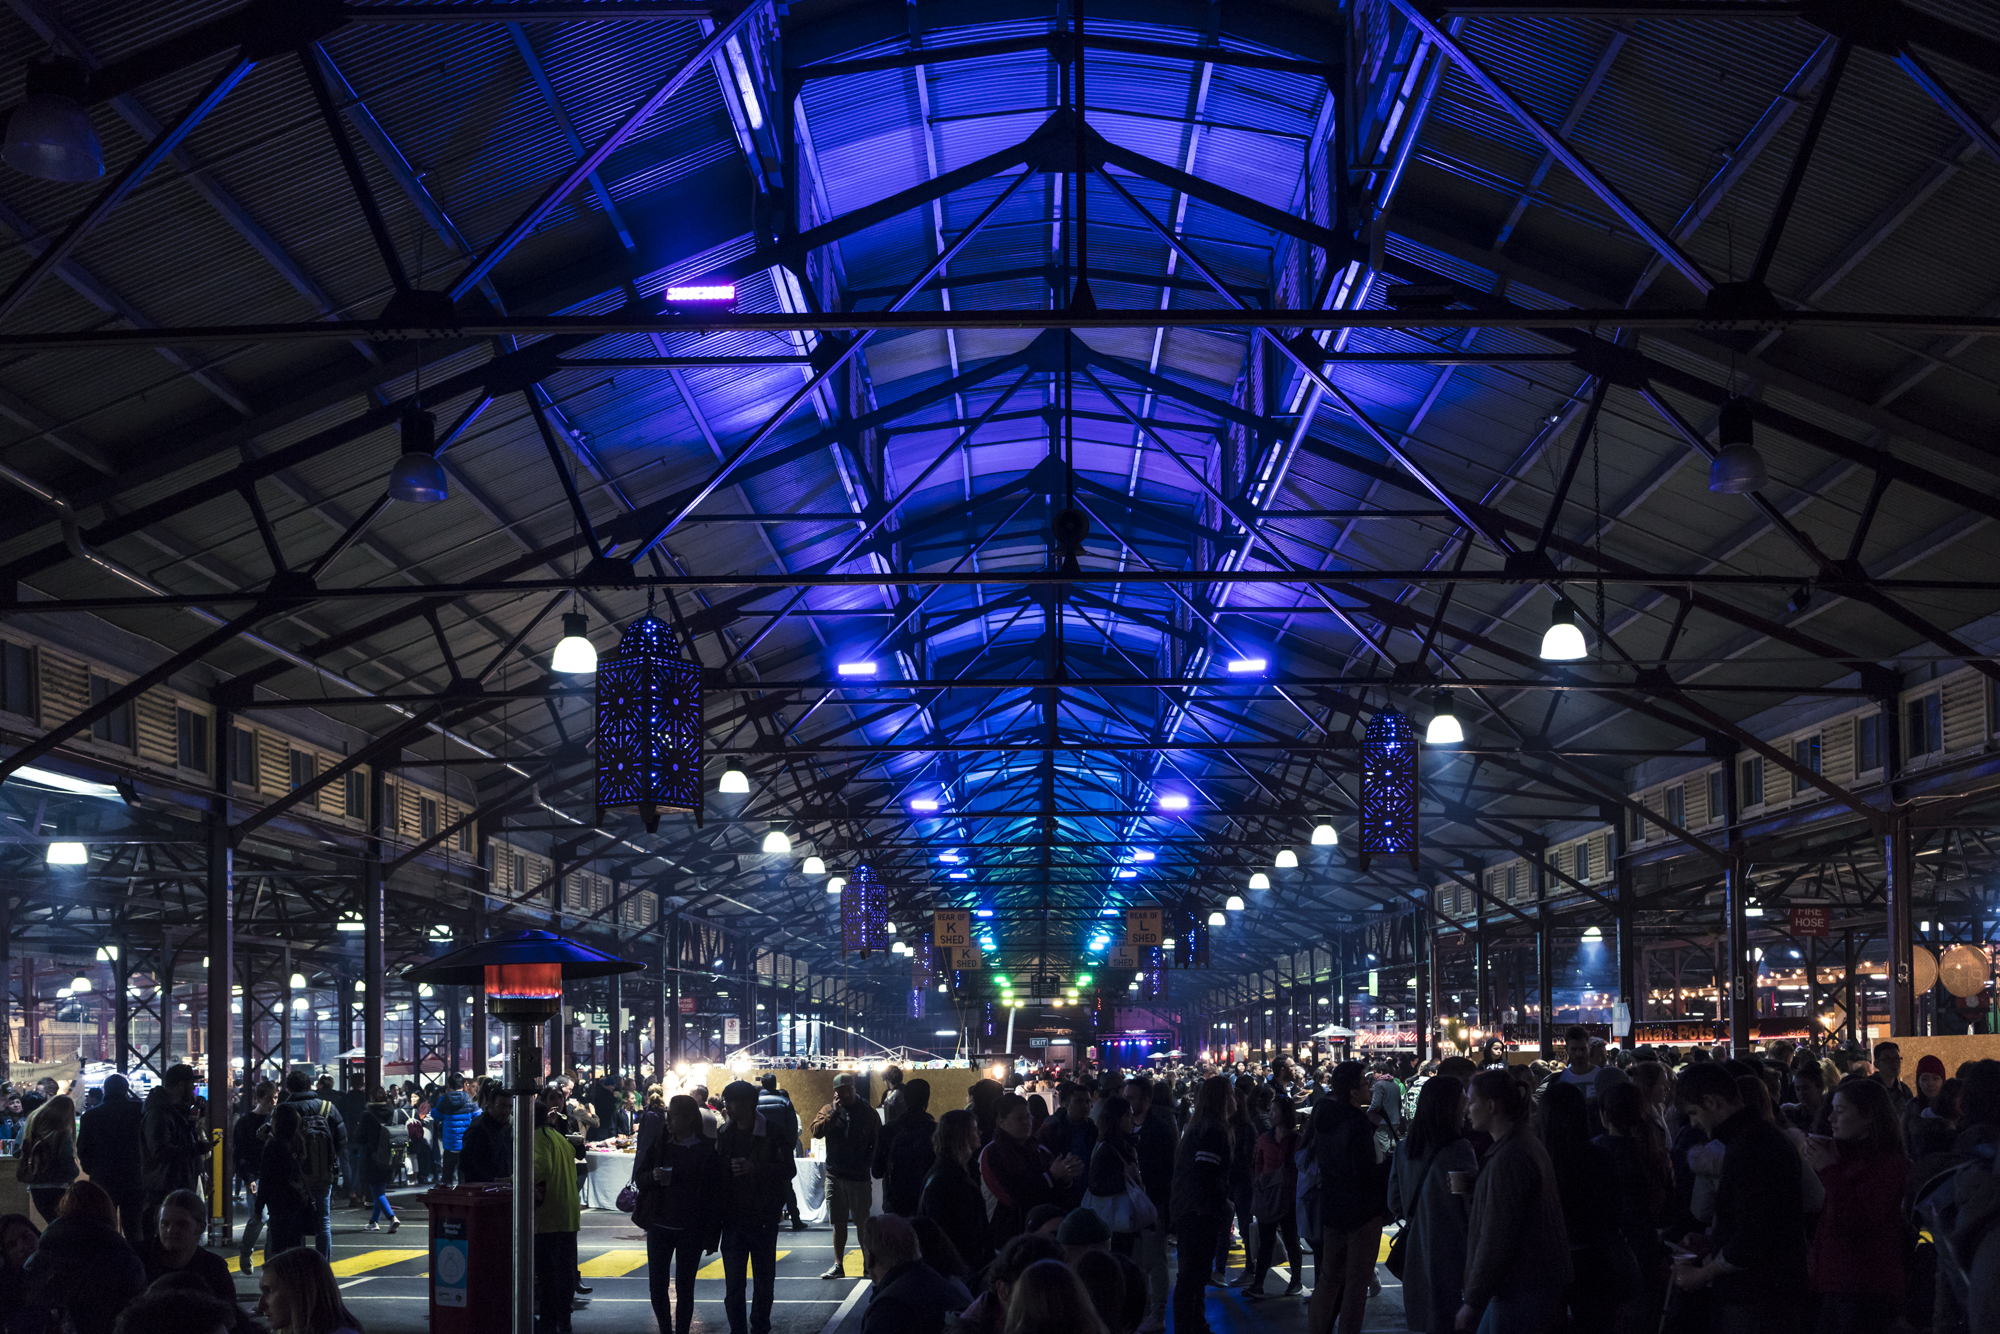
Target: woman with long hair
{"type": "Point", "coordinates": [1274, 1196]}
{"type": "Point", "coordinates": [84, 1270]}
{"type": "Point", "coordinates": [1517, 1263]}
{"type": "Point", "coordinates": [951, 1191]}
{"type": "Point", "coordinates": [1048, 1298]}
{"type": "Point", "coordinates": [177, 1248]}
{"type": "Point", "coordinates": [679, 1178]}
{"type": "Point", "coordinates": [652, 1120]}
{"type": "Point", "coordinates": [1587, 1183]}
{"type": "Point", "coordinates": [45, 1158]}
{"type": "Point", "coordinates": [1200, 1198]}
{"type": "Point", "coordinates": [1434, 1218]}
{"type": "Point", "coordinates": [298, 1293]}
{"type": "Point", "coordinates": [291, 1211]}
{"type": "Point", "coordinates": [1114, 1167]}
{"type": "Point", "coordinates": [1857, 1249]}
{"type": "Point", "coordinates": [1645, 1196]}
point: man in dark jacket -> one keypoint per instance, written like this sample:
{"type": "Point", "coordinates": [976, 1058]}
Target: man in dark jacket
{"type": "Point", "coordinates": [903, 1152]}
{"type": "Point", "coordinates": [775, 1106]}
{"type": "Point", "coordinates": [1070, 1131]}
{"type": "Point", "coordinates": [1353, 1198]}
{"type": "Point", "coordinates": [172, 1146]}
{"type": "Point", "coordinates": [910, 1297]}
{"type": "Point", "coordinates": [452, 1113]}
{"type": "Point", "coordinates": [761, 1169]}
{"type": "Point", "coordinates": [316, 1107]}
{"type": "Point", "coordinates": [487, 1151]}
{"type": "Point", "coordinates": [108, 1150]}
{"type": "Point", "coordinates": [246, 1141]}
{"type": "Point", "coordinates": [849, 1127]}
{"type": "Point", "coordinates": [1757, 1257]}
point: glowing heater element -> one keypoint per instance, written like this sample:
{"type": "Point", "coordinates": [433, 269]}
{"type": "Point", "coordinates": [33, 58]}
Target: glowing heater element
{"type": "Point", "coordinates": [523, 981]}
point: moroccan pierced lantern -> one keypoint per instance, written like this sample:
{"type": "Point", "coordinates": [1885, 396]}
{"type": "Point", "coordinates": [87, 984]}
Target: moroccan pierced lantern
{"type": "Point", "coordinates": [864, 913]}
{"type": "Point", "coordinates": [1389, 789]}
{"type": "Point", "coordinates": [648, 726]}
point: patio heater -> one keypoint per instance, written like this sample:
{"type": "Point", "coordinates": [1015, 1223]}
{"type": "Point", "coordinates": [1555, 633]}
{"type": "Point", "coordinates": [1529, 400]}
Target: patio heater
{"type": "Point", "coordinates": [523, 975]}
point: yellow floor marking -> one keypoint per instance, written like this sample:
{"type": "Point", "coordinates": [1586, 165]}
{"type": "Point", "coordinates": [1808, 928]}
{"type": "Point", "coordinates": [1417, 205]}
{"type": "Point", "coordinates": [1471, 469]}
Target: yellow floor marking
{"type": "Point", "coordinates": [1383, 1253]}
{"type": "Point", "coordinates": [612, 1264]}
{"type": "Point", "coordinates": [367, 1260]}
{"type": "Point", "coordinates": [713, 1269]}
{"type": "Point", "coordinates": [236, 1262]}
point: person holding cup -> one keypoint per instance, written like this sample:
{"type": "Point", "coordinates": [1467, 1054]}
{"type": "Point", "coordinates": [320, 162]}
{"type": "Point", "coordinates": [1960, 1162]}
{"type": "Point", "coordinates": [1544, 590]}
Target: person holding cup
{"type": "Point", "coordinates": [1430, 1189]}
{"type": "Point", "coordinates": [679, 1177]}
{"type": "Point", "coordinates": [1517, 1248]}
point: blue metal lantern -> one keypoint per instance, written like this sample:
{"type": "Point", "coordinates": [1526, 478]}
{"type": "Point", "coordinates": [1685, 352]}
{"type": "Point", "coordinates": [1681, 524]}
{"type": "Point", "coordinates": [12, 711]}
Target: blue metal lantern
{"type": "Point", "coordinates": [1389, 789]}
{"type": "Point", "coordinates": [648, 726]}
{"type": "Point", "coordinates": [864, 913]}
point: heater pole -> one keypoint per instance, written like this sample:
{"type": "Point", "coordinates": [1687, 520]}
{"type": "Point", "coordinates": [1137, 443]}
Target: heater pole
{"type": "Point", "coordinates": [526, 1071]}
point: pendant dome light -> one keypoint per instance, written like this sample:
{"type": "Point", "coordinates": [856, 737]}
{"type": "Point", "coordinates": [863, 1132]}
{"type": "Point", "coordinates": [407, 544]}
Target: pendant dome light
{"type": "Point", "coordinates": [1325, 836]}
{"type": "Point", "coordinates": [1444, 729]}
{"type": "Point", "coordinates": [1258, 880]}
{"type": "Point", "coordinates": [1738, 467]}
{"type": "Point", "coordinates": [418, 478]}
{"type": "Point", "coordinates": [777, 843]}
{"type": "Point", "coordinates": [814, 866]}
{"type": "Point", "coordinates": [733, 782]}
{"type": "Point", "coordinates": [50, 136]}
{"type": "Point", "coordinates": [1286, 859]}
{"type": "Point", "coordinates": [80, 985]}
{"type": "Point", "coordinates": [574, 654]}
{"type": "Point", "coordinates": [1217, 919]}
{"type": "Point", "coordinates": [1234, 903]}
{"type": "Point", "coordinates": [1562, 641]}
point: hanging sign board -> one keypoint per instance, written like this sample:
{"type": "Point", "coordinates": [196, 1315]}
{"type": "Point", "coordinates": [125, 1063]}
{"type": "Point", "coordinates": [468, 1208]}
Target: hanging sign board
{"type": "Point", "coordinates": [1621, 1020]}
{"type": "Point", "coordinates": [1811, 921]}
{"type": "Point", "coordinates": [1142, 927]}
{"type": "Point", "coordinates": [967, 956]}
{"type": "Point", "coordinates": [687, 1005]}
{"type": "Point", "coordinates": [1124, 956]}
{"type": "Point", "coordinates": [732, 1031]}
{"type": "Point", "coordinates": [951, 929]}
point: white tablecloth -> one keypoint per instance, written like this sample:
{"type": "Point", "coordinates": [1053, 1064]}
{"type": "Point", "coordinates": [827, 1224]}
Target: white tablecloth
{"type": "Point", "coordinates": [609, 1174]}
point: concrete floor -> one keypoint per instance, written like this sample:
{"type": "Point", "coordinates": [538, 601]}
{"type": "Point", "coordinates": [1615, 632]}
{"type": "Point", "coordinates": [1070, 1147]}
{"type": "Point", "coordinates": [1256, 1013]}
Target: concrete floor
{"type": "Point", "coordinates": [385, 1280]}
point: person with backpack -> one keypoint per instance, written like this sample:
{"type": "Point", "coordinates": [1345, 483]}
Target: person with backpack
{"type": "Point", "coordinates": [452, 1114]}
{"type": "Point", "coordinates": [45, 1158]}
{"type": "Point", "coordinates": [107, 1148]}
{"type": "Point", "coordinates": [291, 1209]}
{"type": "Point", "coordinates": [172, 1146]}
{"type": "Point", "coordinates": [322, 1140]}
{"type": "Point", "coordinates": [903, 1152]}
{"type": "Point", "coordinates": [377, 1135]}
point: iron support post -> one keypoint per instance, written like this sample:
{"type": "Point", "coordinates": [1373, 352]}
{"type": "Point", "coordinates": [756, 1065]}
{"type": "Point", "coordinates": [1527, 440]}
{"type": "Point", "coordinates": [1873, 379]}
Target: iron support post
{"type": "Point", "coordinates": [1628, 945]}
{"type": "Point", "coordinates": [221, 908]}
{"type": "Point", "coordinates": [1896, 852]}
{"type": "Point", "coordinates": [375, 999]}
{"type": "Point", "coordinates": [1740, 991]}
{"type": "Point", "coordinates": [1545, 957]}
{"type": "Point", "coordinates": [524, 1076]}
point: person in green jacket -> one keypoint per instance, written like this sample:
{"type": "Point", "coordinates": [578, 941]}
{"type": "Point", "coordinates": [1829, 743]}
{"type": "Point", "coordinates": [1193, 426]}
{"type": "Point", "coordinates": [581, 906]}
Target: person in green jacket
{"type": "Point", "coordinates": [558, 1216]}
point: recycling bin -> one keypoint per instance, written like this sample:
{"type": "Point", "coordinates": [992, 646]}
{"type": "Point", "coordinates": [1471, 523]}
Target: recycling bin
{"type": "Point", "coordinates": [472, 1258]}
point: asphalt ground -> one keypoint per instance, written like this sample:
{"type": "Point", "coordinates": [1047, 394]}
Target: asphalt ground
{"type": "Point", "coordinates": [384, 1278]}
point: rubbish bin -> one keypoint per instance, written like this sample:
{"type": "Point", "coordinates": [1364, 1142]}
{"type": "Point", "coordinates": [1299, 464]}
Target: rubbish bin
{"type": "Point", "coordinates": [472, 1258]}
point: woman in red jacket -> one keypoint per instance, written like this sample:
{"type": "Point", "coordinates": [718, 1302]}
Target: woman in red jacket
{"type": "Point", "coordinates": [1857, 1255]}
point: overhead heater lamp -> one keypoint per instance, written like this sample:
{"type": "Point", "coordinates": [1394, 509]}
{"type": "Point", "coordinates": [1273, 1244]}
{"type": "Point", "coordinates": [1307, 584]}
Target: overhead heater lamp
{"type": "Point", "coordinates": [575, 654]}
{"type": "Point", "coordinates": [1738, 467]}
{"type": "Point", "coordinates": [50, 136]}
{"type": "Point", "coordinates": [418, 478]}
{"type": "Point", "coordinates": [1562, 641]}
{"type": "Point", "coordinates": [1444, 729]}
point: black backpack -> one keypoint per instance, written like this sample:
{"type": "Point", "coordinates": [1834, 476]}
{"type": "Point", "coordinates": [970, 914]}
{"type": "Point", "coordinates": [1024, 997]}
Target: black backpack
{"type": "Point", "coordinates": [320, 1164]}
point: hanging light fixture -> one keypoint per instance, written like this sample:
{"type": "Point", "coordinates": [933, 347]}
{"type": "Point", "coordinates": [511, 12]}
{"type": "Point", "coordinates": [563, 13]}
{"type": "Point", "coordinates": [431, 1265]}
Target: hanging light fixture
{"type": "Point", "coordinates": [68, 854]}
{"type": "Point", "coordinates": [50, 136]}
{"type": "Point", "coordinates": [835, 884]}
{"type": "Point", "coordinates": [777, 843]}
{"type": "Point", "coordinates": [1738, 467]}
{"type": "Point", "coordinates": [298, 981]}
{"type": "Point", "coordinates": [1258, 880]}
{"type": "Point", "coordinates": [575, 655]}
{"type": "Point", "coordinates": [648, 726]}
{"type": "Point", "coordinates": [1217, 919]}
{"type": "Point", "coordinates": [1562, 641]}
{"type": "Point", "coordinates": [1286, 859]}
{"type": "Point", "coordinates": [733, 782]}
{"type": "Point", "coordinates": [80, 984]}
{"type": "Point", "coordinates": [1325, 836]}
{"type": "Point", "coordinates": [1389, 788]}
{"type": "Point", "coordinates": [1444, 729]}
{"type": "Point", "coordinates": [814, 866]}
{"type": "Point", "coordinates": [418, 478]}
{"type": "Point", "coordinates": [1235, 903]}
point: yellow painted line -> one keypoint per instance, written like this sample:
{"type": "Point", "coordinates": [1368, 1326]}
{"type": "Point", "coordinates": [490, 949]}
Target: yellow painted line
{"type": "Point", "coordinates": [367, 1260]}
{"type": "Point", "coordinates": [850, 1264]}
{"type": "Point", "coordinates": [612, 1264]}
{"type": "Point", "coordinates": [1383, 1253]}
{"type": "Point", "coordinates": [236, 1262]}
{"type": "Point", "coordinates": [713, 1269]}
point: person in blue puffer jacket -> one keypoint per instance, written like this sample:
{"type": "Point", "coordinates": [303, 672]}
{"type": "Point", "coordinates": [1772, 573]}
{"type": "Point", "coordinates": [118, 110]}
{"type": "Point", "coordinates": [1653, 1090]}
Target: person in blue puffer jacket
{"type": "Point", "coordinates": [453, 1112]}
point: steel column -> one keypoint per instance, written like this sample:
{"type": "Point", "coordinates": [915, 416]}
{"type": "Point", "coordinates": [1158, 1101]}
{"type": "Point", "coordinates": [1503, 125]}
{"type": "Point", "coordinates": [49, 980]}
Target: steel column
{"type": "Point", "coordinates": [221, 910]}
{"type": "Point", "coordinates": [376, 997]}
{"type": "Point", "coordinates": [1545, 957]}
{"type": "Point", "coordinates": [614, 1004]}
{"type": "Point", "coordinates": [1897, 846]}
{"type": "Point", "coordinates": [1741, 990]}
{"type": "Point", "coordinates": [1628, 941]}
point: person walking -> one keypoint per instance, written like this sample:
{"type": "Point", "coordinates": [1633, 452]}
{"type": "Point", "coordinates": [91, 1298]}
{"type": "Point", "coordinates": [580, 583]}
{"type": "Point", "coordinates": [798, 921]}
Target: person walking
{"type": "Point", "coordinates": [760, 1176]}
{"type": "Point", "coordinates": [1354, 1187]}
{"type": "Point", "coordinates": [45, 1157]}
{"type": "Point", "coordinates": [679, 1178]}
{"type": "Point", "coordinates": [903, 1151]}
{"type": "Point", "coordinates": [291, 1206]}
{"type": "Point", "coordinates": [377, 1141]}
{"type": "Point", "coordinates": [1517, 1250]}
{"type": "Point", "coordinates": [951, 1197]}
{"type": "Point", "coordinates": [247, 1144]}
{"type": "Point", "coordinates": [1857, 1248]}
{"type": "Point", "coordinates": [1274, 1198]}
{"type": "Point", "coordinates": [1201, 1200]}
{"type": "Point", "coordinates": [1606, 1272]}
{"type": "Point", "coordinates": [850, 1127]}
{"type": "Point", "coordinates": [108, 1150]}
{"type": "Point", "coordinates": [452, 1113]}
{"type": "Point", "coordinates": [1756, 1254]}
{"type": "Point", "coordinates": [323, 1151]}
{"type": "Point", "coordinates": [1434, 1216]}
{"type": "Point", "coordinates": [558, 1218]}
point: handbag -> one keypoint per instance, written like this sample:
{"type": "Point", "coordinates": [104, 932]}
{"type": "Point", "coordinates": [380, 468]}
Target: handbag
{"type": "Point", "coordinates": [1398, 1257]}
{"type": "Point", "coordinates": [1131, 1210]}
{"type": "Point", "coordinates": [628, 1198]}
